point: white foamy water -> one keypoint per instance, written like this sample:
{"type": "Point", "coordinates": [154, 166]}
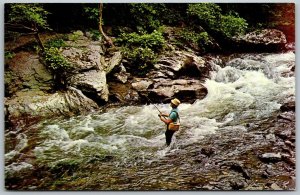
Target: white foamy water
{"type": "Point", "coordinates": [249, 88]}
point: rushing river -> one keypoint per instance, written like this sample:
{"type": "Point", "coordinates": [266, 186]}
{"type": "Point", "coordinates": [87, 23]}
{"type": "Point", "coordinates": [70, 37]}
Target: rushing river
{"type": "Point", "coordinates": [247, 88]}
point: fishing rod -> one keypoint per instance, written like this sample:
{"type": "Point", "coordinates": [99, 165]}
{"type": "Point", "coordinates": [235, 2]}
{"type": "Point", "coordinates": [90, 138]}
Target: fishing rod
{"type": "Point", "coordinates": [155, 106]}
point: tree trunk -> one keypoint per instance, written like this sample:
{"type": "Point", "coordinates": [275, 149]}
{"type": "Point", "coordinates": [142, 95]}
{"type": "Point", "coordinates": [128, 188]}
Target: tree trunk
{"type": "Point", "coordinates": [107, 39]}
{"type": "Point", "coordinates": [38, 39]}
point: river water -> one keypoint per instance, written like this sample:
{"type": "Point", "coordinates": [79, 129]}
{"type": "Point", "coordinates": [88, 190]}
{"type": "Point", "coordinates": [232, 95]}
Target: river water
{"type": "Point", "coordinates": [246, 88]}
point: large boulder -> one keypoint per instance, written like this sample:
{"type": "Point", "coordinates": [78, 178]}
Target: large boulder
{"type": "Point", "coordinates": [261, 40]}
{"type": "Point", "coordinates": [40, 104]}
{"type": "Point", "coordinates": [92, 82]}
{"type": "Point", "coordinates": [113, 61]}
{"type": "Point", "coordinates": [85, 54]}
{"type": "Point", "coordinates": [25, 72]}
{"type": "Point", "coordinates": [181, 63]}
{"type": "Point", "coordinates": [84, 58]}
{"type": "Point", "coordinates": [162, 90]}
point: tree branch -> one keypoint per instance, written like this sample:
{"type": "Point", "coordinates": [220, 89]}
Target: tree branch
{"type": "Point", "coordinates": [19, 28]}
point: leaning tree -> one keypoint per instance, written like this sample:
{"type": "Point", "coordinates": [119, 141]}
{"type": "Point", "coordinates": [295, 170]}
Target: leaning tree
{"type": "Point", "coordinates": [27, 18]}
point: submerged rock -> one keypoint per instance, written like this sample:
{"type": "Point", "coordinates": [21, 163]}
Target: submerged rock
{"type": "Point", "coordinates": [18, 170]}
{"type": "Point", "coordinates": [271, 157]}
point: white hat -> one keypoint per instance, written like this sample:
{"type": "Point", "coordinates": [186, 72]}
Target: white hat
{"type": "Point", "coordinates": [175, 101]}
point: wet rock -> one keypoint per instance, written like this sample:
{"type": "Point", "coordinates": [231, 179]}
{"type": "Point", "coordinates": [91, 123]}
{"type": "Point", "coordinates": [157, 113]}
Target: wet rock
{"type": "Point", "coordinates": [92, 82]}
{"type": "Point", "coordinates": [25, 71]}
{"type": "Point", "coordinates": [121, 75]}
{"type": "Point", "coordinates": [208, 151]}
{"type": "Point", "coordinates": [288, 116]}
{"type": "Point", "coordinates": [271, 137]}
{"type": "Point", "coordinates": [237, 185]}
{"type": "Point", "coordinates": [185, 90]}
{"type": "Point", "coordinates": [283, 133]}
{"type": "Point", "coordinates": [254, 188]}
{"type": "Point", "coordinates": [274, 186]}
{"type": "Point", "coordinates": [270, 157]}
{"type": "Point", "coordinates": [141, 85]}
{"type": "Point", "coordinates": [238, 167]}
{"type": "Point", "coordinates": [262, 40]}
{"type": "Point", "coordinates": [182, 63]}
{"type": "Point", "coordinates": [113, 61]}
{"type": "Point", "coordinates": [289, 143]}
{"type": "Point", "coordinates": [36, 103]}
{"type": "Point", "coordinates": [119, 92]}
{"type": "Point", "coordinates": [86, 58]}
{"type": "Point", "coordinates": [18, 170]}
{"type": "Point", "coordinates": [292, 183]}
{"type": "Point", "coordinates": [265, 175]}
{"type": "Point", "coordinates": [207, 187]}
{"type": "Point", "coordinates": [290, 161]}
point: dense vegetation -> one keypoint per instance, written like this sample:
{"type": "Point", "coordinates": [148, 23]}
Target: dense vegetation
{"type": "Point", "coordinates": [138, 29]}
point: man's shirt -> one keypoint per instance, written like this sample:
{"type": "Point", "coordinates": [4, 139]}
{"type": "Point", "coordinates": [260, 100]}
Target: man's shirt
{"type": "Point", "coordinates": [173, 115]}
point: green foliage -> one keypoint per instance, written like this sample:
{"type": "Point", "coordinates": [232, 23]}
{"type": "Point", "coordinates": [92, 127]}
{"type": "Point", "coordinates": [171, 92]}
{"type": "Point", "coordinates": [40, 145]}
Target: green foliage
{"type": "Point", "coordinates": [75, 35]}
{"type": "Point", "coordinates": [55, 60]}
{"type": "Point", "coordinates": [155, 41]}
{"type": "Point", "coordinates": [190, 37]}
{"type": "Point", "coordinates": [9, 55]}
{"type": "Point", "coordinates": [231, 25]}
{"type": "Point", "coordinates": [211, 17]}
{"type": "Point", "coordinates": [208, 13]}
{"type": "Point", "coordinates": [142, 50]}
{"type": "Point", "coordinates": [57, 43]}
{"type": "Point", "coordinates": [145, 16]}
{"type": "Point", "coordinates": [30, 15]}
{"type": "Point", "coordinates": [143, 57]}
{"type": "Point", "coordinates": [91, 12]}
{"type": "Point", "coordinates": [172, 14]}
{"type": "Point", "coordinates": [95, 34]}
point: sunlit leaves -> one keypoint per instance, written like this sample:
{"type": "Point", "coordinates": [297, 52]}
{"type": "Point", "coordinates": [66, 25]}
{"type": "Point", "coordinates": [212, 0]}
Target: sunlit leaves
{"type": "Point", "coordinates": [210, 15]}
{"type": "Point", "coordinates": [32, 15]}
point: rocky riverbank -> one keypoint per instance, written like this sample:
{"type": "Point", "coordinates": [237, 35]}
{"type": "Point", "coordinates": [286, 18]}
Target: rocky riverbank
{"type": "Point", "coordinates": [257, 156]}
{"type": "Point", "coordinates": [99, 76]}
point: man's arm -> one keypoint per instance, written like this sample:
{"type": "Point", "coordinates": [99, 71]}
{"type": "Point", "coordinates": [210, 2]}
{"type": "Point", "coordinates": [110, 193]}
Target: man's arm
{"type": "Point", "coordinates": [164, 114]}
{"type": "Point", "coordinates": [165, 120]}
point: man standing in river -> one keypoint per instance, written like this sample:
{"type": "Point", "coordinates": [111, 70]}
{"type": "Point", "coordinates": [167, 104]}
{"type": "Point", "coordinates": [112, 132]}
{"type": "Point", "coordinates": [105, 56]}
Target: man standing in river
{"type": "Point", "coordinates": [171, 119]}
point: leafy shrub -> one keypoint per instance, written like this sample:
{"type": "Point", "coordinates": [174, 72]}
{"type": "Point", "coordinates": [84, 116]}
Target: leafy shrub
{"type": "Point", "coordinates": [75, 35]}
{"type": "Point", "coordinates": [207, 13]}
{"type": "Point", "coordinates": [211, 17]}
{"type": "Point", "coordinates": [95, 34]}
{"type": "Point", "coordinates": [145, 16]}
{"type": "Point", "coordinates": [57, 43]}
{"type": "Point", "coordinates": [9, 55]}
{"type": "Point", "coordinates": [55, 60]}
{"type": "Point", "coordinates": [142, 50]}
{"type": "Point", "coordinates": [189, 36]}
{"type": "Point", "coordinates": [231, 25]}
{"type": "Point", "coordinates": [155, 41]}
{"type": "Point", "coordinates": [143, 57]}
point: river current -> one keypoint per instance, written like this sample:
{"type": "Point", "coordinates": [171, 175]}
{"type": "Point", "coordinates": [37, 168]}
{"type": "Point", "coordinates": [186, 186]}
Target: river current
{"type": "Point", "coordinates": [246, 88]}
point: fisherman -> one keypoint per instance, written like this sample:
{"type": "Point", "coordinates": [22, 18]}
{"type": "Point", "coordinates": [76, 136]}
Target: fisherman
{"type": "Point", "coordinates": [171, 119]}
